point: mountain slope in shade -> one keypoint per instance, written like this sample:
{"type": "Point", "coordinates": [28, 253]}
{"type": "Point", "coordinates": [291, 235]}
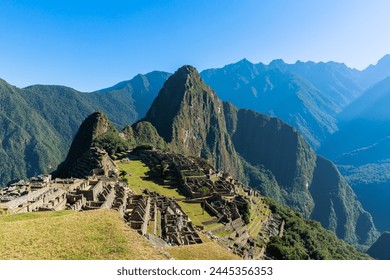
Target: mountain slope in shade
{"type": "Point", "coordinates": [271, 155]}
{"type": "Point", "coordinates": [361, 149]}
{"type": "Point", "coordinates": [142, 89]}
{"type": "Point", "coordinates": [380, 250]}
{"type": "Point", "coordinates": [307, 95]}
{"type": "Point", "coordinates": [307, 182]}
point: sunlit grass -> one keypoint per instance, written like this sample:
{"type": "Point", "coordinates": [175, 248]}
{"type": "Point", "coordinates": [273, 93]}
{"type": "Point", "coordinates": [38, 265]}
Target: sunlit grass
{"type": "Point", "coordinates": [137, 173]}
{"type": "Point", "coordinates": [69, 235]}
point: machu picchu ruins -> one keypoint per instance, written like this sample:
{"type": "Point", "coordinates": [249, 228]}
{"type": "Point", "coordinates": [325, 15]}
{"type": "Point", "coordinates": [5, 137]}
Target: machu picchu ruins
{"type": "Point", "coordinates": [159, 218]}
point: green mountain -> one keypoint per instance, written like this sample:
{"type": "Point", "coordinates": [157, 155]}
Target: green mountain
{"type": "Point", "coordinates": [380, 250]}
{"type": "Point", "coordinates": [39, 122]}
{"type": "Point", "coordinates": [189, 116]}
{"type": "Point", "coordinates": [260, 150]}
{"type": "Point", "coordinates": [28, 143]}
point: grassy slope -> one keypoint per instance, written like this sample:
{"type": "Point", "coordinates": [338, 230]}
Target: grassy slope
{"type": "Point", "coordinates": [208, 250]}
{"type": "Point", "coordinates": [68, 235]}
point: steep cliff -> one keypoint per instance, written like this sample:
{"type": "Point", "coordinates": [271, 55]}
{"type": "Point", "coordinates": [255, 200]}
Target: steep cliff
{"type": "Point", "coordinates": [189, 116]}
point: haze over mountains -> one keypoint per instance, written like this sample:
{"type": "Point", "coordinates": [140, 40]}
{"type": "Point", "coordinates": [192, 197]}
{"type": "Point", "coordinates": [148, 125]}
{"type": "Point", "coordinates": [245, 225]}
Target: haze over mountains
{"type": "Point", "coordinates": [318, 99]}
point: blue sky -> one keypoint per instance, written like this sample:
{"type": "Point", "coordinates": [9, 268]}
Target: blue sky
{"type": "Point", "coordinates": [90, 45]}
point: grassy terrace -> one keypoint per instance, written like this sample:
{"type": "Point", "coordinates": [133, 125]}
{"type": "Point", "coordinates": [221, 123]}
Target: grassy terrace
{"type": "Point", "coordinates": [99, 234]}
{"type": "Point", "coordinates": [195, 212]}
{"type": "Point", "coordinates": [138, 179]}
{"type": "Point", "coordinates": [259, 213]}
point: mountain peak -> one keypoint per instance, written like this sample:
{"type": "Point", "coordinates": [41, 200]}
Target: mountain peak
{"type": "Point", "coordinates": [186, 70]}
{"type": "Point", "coordinates": [185, 86]}
{"type": "Point", "coordinates": [189, 116]}
{"type": "Point", "coordinates": [92, 127]}
{"type": "Point", "coordinates": [384, 60]}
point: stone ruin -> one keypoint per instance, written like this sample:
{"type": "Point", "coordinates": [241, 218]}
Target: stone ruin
{"type": "Point", "coordinates": [149, 214]}
{"type": "Point", "coordinates": [189, 174]}
{"type": "Point", "coordinates": [155, 214]}
{"type": "Point", "coordinates": [94, 162]}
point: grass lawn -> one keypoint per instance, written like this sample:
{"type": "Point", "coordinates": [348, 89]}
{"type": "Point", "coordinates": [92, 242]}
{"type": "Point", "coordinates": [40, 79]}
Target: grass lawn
{"type": "Point", "coordinates": [215, 226]}
{"type": "Point", "coordinates": [223, 233]}
{"type": "Point", "coordinates": [195, 212]}
{"type": "Point", "coordinates": [138, 183]}
{"type": "Point", "coordinates": [69, 235]}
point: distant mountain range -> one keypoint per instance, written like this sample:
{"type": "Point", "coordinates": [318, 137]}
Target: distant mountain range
{"type": "Point", "coordinates": [330, 104]}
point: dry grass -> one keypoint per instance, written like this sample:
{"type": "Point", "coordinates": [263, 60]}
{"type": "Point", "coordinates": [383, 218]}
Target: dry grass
{"type": "Point", "coordinates": [204, 251]}
{"type": "Point", "coordinates": [99, 234]}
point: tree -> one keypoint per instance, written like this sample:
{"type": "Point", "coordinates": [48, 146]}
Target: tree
{"type": "Point", "coordinates": [122, 174]}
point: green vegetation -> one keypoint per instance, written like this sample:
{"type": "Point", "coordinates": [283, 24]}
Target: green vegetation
{"type": "Point", "coordinates": [223, 233]}
{"type": "Point", "coordinates": [306, 239]}
{"type": "Point", "coordinates": [195, 212]}
{"type": "Point", "coordinates": [111, 142]}
{"type": "Point", "coordinates": [138, 179]}
{"type": "Point", "coordinates": [70, 235]}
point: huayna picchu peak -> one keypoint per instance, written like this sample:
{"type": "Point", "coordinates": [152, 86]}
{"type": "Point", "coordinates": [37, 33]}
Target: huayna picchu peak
{"type": "Point", "coordinates": [189, 116]}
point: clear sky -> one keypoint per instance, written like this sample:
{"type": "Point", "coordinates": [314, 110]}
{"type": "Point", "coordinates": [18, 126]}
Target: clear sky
{"type": "Point", "coordinates": [90, 45]}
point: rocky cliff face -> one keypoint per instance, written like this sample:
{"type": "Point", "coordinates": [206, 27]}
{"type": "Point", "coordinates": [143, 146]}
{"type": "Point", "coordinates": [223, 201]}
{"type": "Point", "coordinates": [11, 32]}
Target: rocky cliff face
{"type": "Point", "coordinates": [190, 118]}
{"type": "Point", "coordinates": [91, 129]}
